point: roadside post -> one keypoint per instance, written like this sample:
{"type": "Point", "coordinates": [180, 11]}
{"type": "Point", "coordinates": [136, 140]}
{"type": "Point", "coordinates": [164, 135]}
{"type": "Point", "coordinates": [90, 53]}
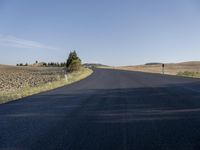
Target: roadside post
{"type": "Point", "coordinates": [66, 76]}
{"type": "Point", "coordinates": [163, 68]}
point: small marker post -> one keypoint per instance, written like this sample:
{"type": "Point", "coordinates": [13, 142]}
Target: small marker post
{"type": "Point", "coordinates": [163, 68]}
{"type": "Point", "coordinates": [66, 76]}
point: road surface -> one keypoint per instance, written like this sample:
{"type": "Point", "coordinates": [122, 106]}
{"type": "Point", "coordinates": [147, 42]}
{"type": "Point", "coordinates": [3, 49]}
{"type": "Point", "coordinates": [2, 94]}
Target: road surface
{"type": "Point", "coordinates": [110, 110]}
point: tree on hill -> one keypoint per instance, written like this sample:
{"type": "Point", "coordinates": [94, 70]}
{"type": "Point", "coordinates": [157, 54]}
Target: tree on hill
{"type": "Point", "coordinates": [73, 62]}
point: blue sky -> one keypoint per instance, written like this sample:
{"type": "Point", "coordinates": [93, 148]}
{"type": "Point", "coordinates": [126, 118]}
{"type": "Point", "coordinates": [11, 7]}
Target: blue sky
{"type": "Point", "coordinates": [113, 32]}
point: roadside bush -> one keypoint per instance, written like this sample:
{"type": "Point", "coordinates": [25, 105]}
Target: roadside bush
{"type": "Point", "coordinates": [74, 66]}
{"type": "Point", "coordinates": [189, 74]}
{"type": "Point", "coordinates": [73, 62]}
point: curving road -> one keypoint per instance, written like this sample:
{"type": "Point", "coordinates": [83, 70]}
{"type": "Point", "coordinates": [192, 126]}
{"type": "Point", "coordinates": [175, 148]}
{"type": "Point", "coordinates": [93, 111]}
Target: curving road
{"type": "Point", "coordinates": [110, 110]}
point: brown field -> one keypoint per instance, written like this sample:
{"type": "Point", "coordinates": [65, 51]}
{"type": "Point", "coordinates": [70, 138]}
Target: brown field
{"type": "Point", "coordinates": [172, 68]}
{"type": "Point", "coordinates": [13, 78]}
{"type": "Point", "coordinates": [19, 82]}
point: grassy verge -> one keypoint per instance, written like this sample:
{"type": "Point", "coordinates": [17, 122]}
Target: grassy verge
{"type": "Point", "coordinates": [27, 91]}
{"type": "Point", "coordinates": [189, 74]}
{"type": "Point", "coordinates": [104, 67]}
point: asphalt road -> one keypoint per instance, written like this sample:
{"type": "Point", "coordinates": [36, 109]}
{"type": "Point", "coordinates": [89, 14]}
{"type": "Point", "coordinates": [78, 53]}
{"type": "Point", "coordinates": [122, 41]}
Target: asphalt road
{"type": "Point", "coordinates": [110, 110]}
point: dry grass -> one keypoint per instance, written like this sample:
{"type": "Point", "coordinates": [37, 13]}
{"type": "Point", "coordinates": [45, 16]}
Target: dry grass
{"type": "Point", "coordinates": [172, 69]}
{"type": "Point", "coordinates": [19, 82]}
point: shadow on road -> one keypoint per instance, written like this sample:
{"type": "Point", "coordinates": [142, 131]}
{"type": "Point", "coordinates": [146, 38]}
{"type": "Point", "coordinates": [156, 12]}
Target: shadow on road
{"type": "Point", "coordinates": [158, 117]}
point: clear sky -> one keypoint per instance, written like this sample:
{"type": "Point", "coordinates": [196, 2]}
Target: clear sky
{"type": "Point", "coordinates": [113, 32]}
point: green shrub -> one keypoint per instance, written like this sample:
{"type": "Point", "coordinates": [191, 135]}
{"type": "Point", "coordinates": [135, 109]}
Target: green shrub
{"type": "Point", "coordinates": [74, 66]}
{"type": "Point", "coordinates": [189, 74]}
{"type": "Point", "coordinates": [73, 62]}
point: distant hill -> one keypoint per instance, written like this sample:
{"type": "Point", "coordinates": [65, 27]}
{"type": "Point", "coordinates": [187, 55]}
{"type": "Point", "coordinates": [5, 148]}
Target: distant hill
{"type": "Point", "coordinates": [94, 65]}
{"type": "Point", "coordinates": [153, 63]}
{"type": "Point", "coordinates": [190, 63]}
